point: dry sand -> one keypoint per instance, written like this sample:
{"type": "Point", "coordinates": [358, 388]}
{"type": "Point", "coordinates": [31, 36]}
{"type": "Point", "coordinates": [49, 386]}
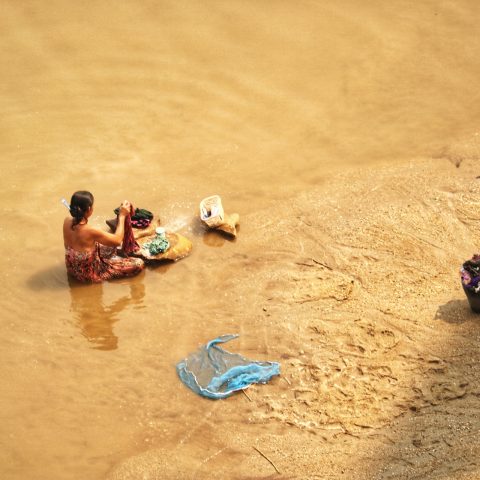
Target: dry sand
{"type": "Point", "coordinates": [358, 296]}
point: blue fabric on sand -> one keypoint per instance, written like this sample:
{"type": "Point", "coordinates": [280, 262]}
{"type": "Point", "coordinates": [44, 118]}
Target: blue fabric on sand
{"type": "Point", "coordinates": [214, 373]}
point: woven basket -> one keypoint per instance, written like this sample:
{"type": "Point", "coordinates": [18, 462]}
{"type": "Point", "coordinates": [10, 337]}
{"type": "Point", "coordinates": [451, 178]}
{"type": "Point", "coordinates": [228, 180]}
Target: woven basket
{"type": "Point", "coordinates": [211, 211]}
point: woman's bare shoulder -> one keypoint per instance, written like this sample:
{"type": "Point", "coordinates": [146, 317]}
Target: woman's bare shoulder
{"type": "Point", "coordinates": [91, 230]}
{"type": "Point", "coordinates": [67, 225]}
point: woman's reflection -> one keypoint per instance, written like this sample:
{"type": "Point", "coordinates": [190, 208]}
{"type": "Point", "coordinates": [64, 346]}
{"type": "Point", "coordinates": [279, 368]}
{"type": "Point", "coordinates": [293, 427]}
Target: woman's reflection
{"type": "Point", "coordinates": [96, 319]}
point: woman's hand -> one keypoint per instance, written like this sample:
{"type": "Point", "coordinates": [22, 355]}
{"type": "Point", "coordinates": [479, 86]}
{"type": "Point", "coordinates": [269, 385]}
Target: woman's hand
{"type": "Point", "coordinates": [125, 208]}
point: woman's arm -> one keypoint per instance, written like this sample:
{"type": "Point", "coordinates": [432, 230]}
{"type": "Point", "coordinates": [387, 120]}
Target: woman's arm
{"type": "Point", "coordinates": [110, 239]}
{"type": "Point", "coordinates": [113, 239]}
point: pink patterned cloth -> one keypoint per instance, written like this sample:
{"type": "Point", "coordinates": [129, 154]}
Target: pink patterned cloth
{"type": "Point", "coordinates": [100, 264]}
{"type": "Point", "coordinates": [129, 244]}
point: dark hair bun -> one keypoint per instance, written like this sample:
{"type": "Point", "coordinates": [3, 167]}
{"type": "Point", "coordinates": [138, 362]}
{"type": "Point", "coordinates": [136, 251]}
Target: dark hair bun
{"type": "Point", "coordinates": [76, 211]}
{"type": "Point", "coordinates": [79, 205]}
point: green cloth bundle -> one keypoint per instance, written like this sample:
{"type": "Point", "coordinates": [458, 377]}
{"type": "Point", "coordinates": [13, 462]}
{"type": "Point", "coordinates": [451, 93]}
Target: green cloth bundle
{"type": "Point", "coordinates": [158, 245]}
{"type": "Point", "coordinates": [140, 213]}
{"type": "Point", "coordinates": [141, 218]}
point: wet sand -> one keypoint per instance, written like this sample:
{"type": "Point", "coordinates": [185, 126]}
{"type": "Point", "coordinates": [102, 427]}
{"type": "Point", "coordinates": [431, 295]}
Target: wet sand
{"type": "Point", "coordinates": [345, 137]}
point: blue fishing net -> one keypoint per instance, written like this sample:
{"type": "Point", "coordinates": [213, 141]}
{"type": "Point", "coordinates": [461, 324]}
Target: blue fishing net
{"type": "Point", "coordinates": [214, 373]}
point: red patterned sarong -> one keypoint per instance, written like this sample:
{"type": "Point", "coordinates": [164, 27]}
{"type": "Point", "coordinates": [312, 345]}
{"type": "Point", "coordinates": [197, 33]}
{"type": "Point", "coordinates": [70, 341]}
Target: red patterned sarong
{"type": "Point", "coordinates": [100, 264]}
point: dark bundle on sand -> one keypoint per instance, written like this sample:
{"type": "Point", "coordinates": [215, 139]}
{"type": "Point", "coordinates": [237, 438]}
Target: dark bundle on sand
{"type": "Point", "coordinates": [470, 275]}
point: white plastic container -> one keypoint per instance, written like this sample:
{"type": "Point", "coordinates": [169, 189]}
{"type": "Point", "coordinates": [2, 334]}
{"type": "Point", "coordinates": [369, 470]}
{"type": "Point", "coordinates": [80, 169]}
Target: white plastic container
{"type": "Point", "coordinates": [160, 231]}
{"type": "Point", "coordinates": [211, 211]}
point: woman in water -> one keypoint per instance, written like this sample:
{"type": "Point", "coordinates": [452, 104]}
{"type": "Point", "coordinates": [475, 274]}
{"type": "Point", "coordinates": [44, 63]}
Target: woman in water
{"type": "Point", "coordinates": [89, 255]}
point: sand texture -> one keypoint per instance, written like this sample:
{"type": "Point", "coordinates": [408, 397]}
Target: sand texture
{"type": "Point", "coordinates": [358, 293]}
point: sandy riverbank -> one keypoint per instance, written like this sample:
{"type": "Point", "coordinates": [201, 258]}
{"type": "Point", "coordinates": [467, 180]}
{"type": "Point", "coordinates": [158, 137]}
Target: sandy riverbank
{"type": "Point", "coordinates": [355, 290]}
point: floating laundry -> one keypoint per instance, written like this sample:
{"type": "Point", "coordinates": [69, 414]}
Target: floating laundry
{"type": "Point", "coordinates": [215, 373]}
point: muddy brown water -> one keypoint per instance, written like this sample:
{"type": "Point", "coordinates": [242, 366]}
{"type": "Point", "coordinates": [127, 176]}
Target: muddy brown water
{"type": "Point", "coordinates": [164, 103]}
